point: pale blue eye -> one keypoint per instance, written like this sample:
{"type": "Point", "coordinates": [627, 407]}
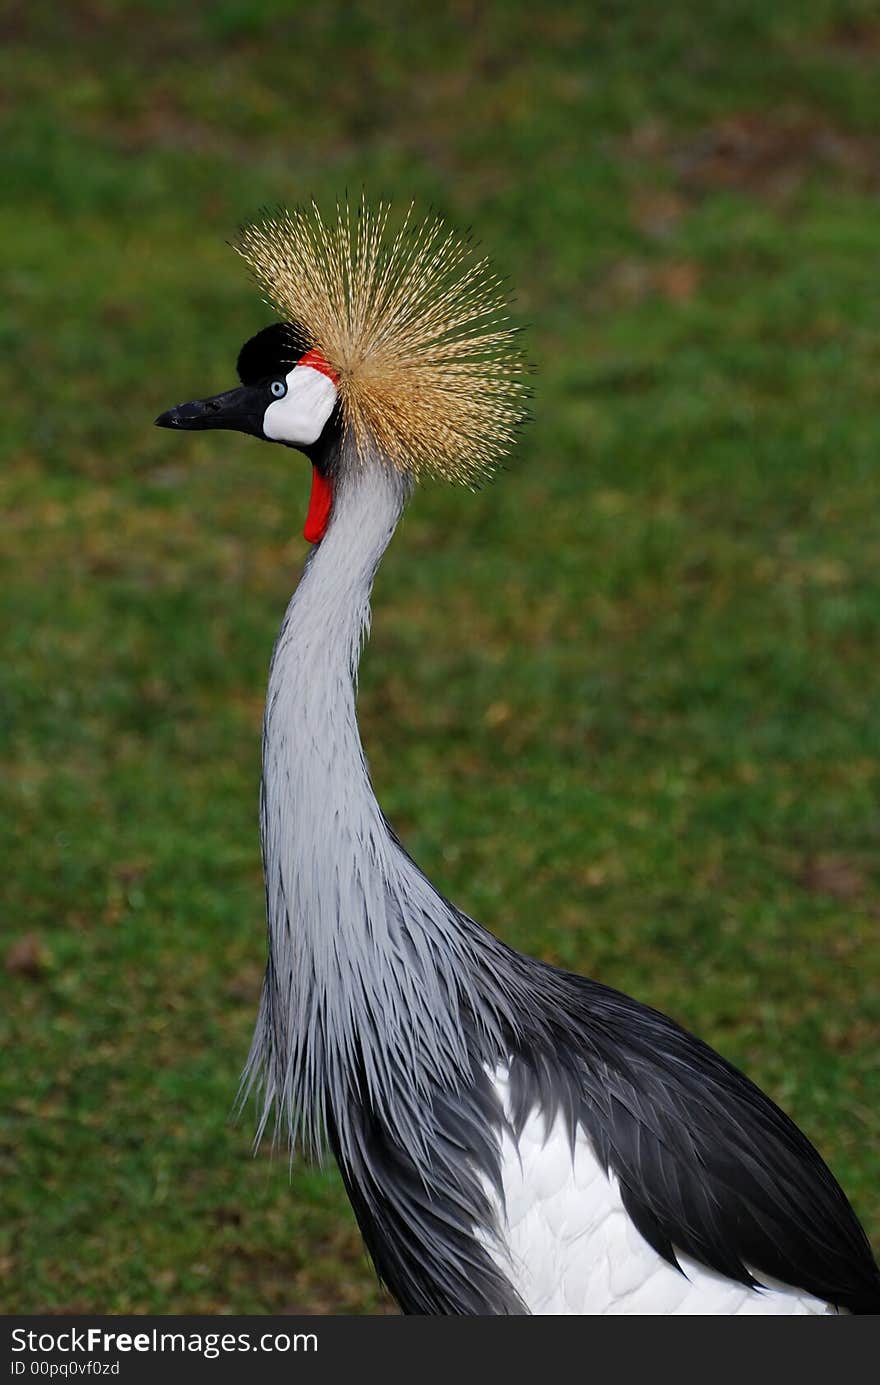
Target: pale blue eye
{"type": "Point", "coordinates": [278, 388]}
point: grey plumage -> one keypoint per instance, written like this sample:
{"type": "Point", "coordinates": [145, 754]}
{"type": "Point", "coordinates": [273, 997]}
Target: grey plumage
{"type": "Point", "coordinates": [384, 1009]}
{"type": "Point", "coordinates": [426, 1053]}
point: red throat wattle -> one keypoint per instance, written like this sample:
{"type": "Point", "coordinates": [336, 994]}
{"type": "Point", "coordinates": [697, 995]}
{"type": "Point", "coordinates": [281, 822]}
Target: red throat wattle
{"type": "Point", "coordinates": [321, 501]}
{"type": "Point", "coordinates": [320, 505]}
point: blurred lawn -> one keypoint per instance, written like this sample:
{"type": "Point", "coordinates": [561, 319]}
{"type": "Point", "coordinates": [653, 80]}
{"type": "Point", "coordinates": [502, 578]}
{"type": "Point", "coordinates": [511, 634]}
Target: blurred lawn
{"type": "Point", "coordinates": [622, 705]}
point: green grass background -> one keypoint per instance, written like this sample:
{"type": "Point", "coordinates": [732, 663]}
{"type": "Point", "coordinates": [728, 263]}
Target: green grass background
{"type": "Point", "coordinates": [622, 705]}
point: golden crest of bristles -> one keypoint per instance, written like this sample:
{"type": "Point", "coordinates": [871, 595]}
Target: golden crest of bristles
{"type": "Point", "coordinates": [414, 323]}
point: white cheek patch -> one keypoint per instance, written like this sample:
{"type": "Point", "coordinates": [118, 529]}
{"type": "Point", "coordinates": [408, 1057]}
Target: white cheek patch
{"type": "Point", "coordinates": [300, 416]}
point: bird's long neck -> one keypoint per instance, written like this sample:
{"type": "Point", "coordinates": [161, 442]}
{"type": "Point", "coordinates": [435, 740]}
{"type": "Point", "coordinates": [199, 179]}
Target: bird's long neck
{"type": "Point", "coordinates": [366, 979]}
{"type": "Point", "coordinates": [320, 810]}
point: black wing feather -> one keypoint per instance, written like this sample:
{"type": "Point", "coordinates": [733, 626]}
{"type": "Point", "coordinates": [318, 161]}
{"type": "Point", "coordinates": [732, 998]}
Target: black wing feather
{"type": "Point", "coordinates": [707, 1164]}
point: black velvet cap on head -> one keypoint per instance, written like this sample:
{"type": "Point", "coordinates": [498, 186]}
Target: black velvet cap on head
{"type": "Point", "coordinates": [272, 352]}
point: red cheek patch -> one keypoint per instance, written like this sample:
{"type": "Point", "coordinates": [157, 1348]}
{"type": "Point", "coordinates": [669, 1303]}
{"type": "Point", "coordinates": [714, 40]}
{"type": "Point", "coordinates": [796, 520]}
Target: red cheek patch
{"type": "Point", "coordinates": [314, 359]}
{"type": "Point", "coordinates": [320, 505]}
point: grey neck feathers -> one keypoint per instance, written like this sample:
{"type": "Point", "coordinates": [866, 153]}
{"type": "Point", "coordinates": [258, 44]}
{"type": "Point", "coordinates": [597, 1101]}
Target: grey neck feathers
{"type": "Point", "coordinates": [370, 991]}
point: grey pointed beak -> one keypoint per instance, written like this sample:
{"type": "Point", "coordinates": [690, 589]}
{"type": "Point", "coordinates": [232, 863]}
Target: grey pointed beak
{"type": "Point", "coordinates": [240, 409]}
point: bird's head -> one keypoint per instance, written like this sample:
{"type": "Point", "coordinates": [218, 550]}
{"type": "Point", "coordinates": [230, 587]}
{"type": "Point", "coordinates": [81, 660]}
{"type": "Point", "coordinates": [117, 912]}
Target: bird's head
{"type": "Point", "coordinates": [394, 344]}
{"type": "Point", "coordinates": [288, 394]}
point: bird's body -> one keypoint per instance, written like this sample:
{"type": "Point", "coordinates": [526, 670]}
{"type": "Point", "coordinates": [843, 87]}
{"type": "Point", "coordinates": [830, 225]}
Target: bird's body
{"type": "Point", "coordinates": [571, 1246]}
{"type": "Point", "coordinates": [436, 1056]}
{"type": "Point", "coordinates": [514, 1138]}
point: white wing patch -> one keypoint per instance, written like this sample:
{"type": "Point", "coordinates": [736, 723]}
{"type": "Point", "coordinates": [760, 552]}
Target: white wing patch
{"type": "Point", "coordinates": [569, 1247]}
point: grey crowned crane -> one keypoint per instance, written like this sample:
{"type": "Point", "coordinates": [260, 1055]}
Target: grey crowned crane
{"type": "Point", "coordinates": [514, 1138]}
